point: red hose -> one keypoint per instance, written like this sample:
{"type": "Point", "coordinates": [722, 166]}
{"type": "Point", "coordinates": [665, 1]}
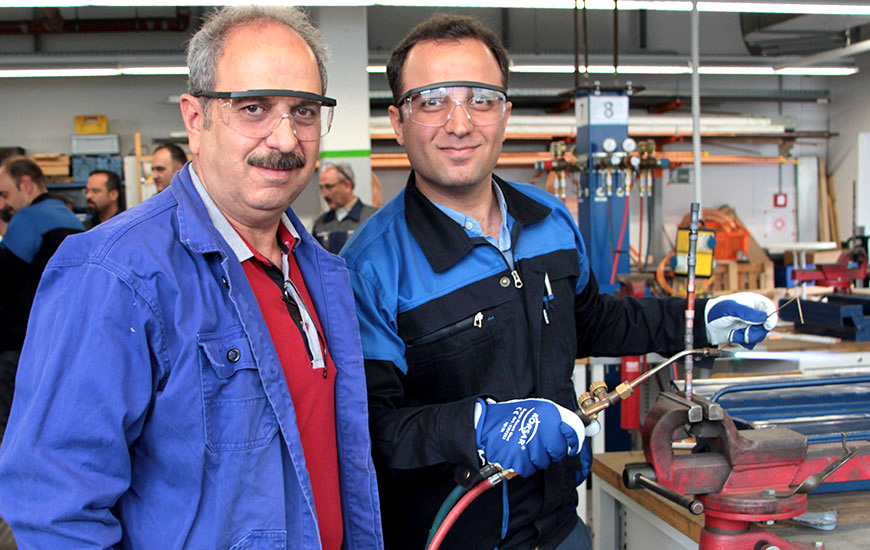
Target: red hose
{"type": "Point", "coordinates": [456, 511]}
{"type": "Point", "coordinates": [619, 243]}
{"type": "Point", "coordinates": [640, 234]}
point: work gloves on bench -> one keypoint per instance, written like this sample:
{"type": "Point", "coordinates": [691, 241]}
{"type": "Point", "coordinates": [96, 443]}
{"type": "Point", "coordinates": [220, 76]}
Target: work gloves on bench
{"type": "Point", "coordinates": [526, 435]}
{"type": "Point", "coordinates": [743, 318]}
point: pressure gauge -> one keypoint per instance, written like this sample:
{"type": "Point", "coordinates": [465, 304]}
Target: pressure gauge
{"type": "Point", "coordinates": [615, 160]}
{"type": "Point", "coordinates": [608, 145]}
{"type": "Point", "coordinates": [629, 145]}
{"type": "Point", "coordinates": [634, 161]}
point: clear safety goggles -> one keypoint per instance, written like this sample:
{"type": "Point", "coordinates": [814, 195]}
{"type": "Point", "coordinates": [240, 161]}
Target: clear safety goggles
{"type": "Point", "coordinates": [434, 104]}
{"type": "Point", "coordinates": [257, 113]}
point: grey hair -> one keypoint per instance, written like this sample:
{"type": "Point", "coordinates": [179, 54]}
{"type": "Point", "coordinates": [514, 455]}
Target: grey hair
{"type": "Point", "coordinates": [207, 46]}
{"type": "Point", "coordinates": [344, 169]}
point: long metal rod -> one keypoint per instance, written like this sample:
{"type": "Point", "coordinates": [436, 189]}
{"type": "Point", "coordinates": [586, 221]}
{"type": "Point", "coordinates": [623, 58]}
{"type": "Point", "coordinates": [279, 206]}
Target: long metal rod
{"type": "Point", "coordinates": [696, 101]}
{"type": "Point", "coordinates": [576, 46]}
{"type": "Point", "coordinates": [615, 37]}
{"type": "Point", "coordinates": [585, 45]}
{"type": "Point", "coordinates": [694, 506]}
{"type": "Point", "coordinates": [691, 261]}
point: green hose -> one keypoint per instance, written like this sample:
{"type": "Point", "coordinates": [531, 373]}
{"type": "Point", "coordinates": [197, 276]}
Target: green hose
{"type": "Point", "coordinates": [446, 506]}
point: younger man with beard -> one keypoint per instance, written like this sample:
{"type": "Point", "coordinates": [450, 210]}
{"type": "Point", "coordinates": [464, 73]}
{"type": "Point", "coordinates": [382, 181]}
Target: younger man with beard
{"type": "Point", "coordinates": [475, 296]}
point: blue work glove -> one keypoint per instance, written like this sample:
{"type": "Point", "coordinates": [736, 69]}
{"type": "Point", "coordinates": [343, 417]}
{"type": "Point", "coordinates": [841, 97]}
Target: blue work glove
{"type": "Point", "coordinates": [743, 318]}
{"type": "Point", "coordinates": [527, 434]}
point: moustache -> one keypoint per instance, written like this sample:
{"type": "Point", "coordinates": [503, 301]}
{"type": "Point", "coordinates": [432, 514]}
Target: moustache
{"type": "Point", "coordinates": [6, 214]}
{"type": "Point", "coordinates": [277, 161]}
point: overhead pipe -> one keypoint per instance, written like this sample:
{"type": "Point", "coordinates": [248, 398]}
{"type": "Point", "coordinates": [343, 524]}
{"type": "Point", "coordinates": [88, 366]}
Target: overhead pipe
{"type": "Point", "coordinates": [615, 38]}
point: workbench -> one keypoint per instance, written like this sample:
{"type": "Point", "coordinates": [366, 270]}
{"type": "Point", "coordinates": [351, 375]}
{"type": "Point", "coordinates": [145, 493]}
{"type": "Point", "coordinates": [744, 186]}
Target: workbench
{"type": "Point", "coordinates": [627, 519]}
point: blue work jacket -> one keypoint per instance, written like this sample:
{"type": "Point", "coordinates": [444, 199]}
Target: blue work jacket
{"type": "Point", "coordinates": [151, 410]}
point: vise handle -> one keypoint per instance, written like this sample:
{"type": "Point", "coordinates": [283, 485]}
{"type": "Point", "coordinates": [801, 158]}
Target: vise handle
{"type": "Point", "coordinates": [640, 475]}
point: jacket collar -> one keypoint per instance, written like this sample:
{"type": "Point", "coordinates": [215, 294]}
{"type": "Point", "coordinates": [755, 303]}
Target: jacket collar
{"type": "Point", "coordinates": [39, 198]}
{"type": "Point", "coordinates": [355, 212]}
{"type": "Point", "coordinates": [196, 227]}
{"type": "Point", "coordinates": [445, 242]}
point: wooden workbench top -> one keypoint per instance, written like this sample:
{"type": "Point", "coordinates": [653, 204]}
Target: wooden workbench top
{"type": "Point", "coordinates": [853, 508]}
{"type": "Point", "coordinates": [609, 466]}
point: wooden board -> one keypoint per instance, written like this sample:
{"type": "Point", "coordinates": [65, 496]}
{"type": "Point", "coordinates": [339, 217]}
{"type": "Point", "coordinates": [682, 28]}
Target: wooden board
{"type": "Point", "coordinates": [824, 211]}
{"type": "Point", "coordinates": [834, 217]}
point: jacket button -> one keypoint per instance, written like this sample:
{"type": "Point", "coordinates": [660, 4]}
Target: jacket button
{"type": "Point", "coordinates": [234, 355]}
{"type": "Point", "coordinates": [505, 282]}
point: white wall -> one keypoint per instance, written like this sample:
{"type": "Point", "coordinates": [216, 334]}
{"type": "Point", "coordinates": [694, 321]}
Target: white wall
{"type": "Point", "coordinates": [38, 113]}
{"type": "Point", "coordinates": [850, 115]}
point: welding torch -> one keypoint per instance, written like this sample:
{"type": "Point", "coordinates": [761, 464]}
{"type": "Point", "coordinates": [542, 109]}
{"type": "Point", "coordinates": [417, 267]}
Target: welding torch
{"type": "Point", "coordinates": [597, 398]}
{"type": "Point", "coordinates": [591, 404]}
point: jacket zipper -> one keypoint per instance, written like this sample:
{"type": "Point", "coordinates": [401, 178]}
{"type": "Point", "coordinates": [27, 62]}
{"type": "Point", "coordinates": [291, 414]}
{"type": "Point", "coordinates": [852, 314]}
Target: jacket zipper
{"type": "Point", "coordinates": [475, 321]}
{"type": "Point", "coordinates": [518, 282]}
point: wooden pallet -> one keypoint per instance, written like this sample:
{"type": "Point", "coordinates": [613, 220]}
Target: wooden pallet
{"type": "Point", "coordinates": [738, 276]}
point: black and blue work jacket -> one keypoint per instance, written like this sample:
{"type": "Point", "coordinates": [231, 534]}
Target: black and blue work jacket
{"type": "Point", "coordinates": [445, 319]}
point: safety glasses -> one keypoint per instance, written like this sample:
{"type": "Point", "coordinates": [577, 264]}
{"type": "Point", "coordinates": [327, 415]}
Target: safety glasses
{"type": "Point", "coordinates": [257, 113]}
{"type": "Point", "coordinates": [433, 105]}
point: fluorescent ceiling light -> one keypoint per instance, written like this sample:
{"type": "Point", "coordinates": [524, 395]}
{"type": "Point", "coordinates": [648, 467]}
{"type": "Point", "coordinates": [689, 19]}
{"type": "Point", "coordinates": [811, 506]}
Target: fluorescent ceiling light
{"type": "Point", "coordinates": [736, 70]}
{"type": "Point", "coordinates": [154, 70]}
{"type": "Point", "coordinates": [683, 69]}
{"type": "Point", "coordinates": [652, 69]}
{"type": "Point", "coordinates": [544, 69]}
{"type": "Point", "coordinates": [36, 73]}
{"type": "Point", "coordinates": [817, 71]}
{"type": "Point", "coordinates": [376, 69]}
{"type": "Point", "coordinates": [782, 7]}
{"type": "Point", "coordinates": [91, 71]}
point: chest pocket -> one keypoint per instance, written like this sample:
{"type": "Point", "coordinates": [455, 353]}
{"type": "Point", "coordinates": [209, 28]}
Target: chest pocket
{"type": "Point", "coordinates": [235, 408]}
{"type": "Point", "coordinates": [457, 361]}
{"type": "Point", "coordinates": [558, 332]}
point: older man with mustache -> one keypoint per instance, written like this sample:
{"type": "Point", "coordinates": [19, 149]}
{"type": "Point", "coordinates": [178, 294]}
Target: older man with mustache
{"type": "Point", "coordinates": [191, 354]}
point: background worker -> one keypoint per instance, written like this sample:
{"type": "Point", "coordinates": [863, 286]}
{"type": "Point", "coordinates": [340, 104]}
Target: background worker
{"type": "Point", "coordinates": [37, 225]}
{"type": "Point", "coordinates": [184, 394]}
{"type": "Point", "coordinates": [104, 194]}
{"type": "Point", "coordinates": [165, 162]}
{"type": "Point", "coordinates": [346, 211]}
{"type": "Point", "coordinates": [475, 296]}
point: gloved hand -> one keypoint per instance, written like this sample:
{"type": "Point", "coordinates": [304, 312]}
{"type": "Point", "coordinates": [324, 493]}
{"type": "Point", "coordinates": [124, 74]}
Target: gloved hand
{"type": "Point", "coordinates": [526, 434]}
{"type": "Point", "coordinates": [741, 318]}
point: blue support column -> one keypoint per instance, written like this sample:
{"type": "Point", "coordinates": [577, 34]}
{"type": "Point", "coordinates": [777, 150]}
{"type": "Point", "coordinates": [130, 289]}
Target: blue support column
{"type": "Point", "coordinates": [602, 193]}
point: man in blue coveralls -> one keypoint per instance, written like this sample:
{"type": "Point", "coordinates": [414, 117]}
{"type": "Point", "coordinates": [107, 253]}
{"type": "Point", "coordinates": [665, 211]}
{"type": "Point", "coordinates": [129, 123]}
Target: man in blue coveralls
{"type": "Point", "coordinates": [474, 296]}
{"type": "Point", "coordinates": [184, 365]}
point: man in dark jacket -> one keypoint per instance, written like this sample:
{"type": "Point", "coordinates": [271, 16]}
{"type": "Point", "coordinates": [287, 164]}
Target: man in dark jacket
{"type": "Point", "coordinates": [37, 225]}
{"type": "Point", "coordinates": [475, 296]}
{"type": "Point", "coordinates": [346, 210]}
